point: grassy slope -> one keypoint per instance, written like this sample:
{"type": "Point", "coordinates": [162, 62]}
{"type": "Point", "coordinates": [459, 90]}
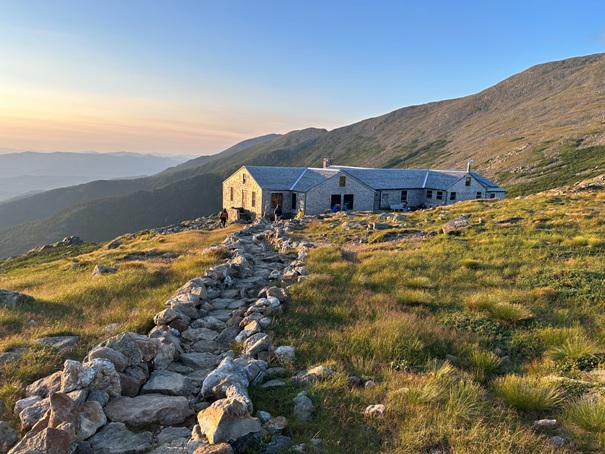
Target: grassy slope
{"type": "Point", "coordinates": [70, 302]}
{"type": "Point", "coordinates": [525, 278]}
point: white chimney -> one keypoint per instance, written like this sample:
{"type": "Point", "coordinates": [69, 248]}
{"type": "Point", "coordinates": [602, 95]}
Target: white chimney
{"type": "Point", "coordinates": [468, 167]}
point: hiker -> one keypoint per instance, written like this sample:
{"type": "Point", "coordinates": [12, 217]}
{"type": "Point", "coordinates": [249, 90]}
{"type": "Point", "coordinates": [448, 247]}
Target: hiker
{"type": "Point", "coordinates": [336, 208]}
{"type": "Point", "coordinates": [223, 216]}
{"type": "Point", "coordinates": [344, 207]}
{"type": "Point", "coordinates": [277, 213]}
{"type": "Point", "coordinates": [300, 214]}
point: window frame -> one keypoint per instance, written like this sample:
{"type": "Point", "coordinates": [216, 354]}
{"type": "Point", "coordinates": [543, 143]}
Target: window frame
{"type": "Point", "coordinates": [342, 181]}
{"type": "Point", "coordinates": [468, 181]}
{"type": "Point", "coordinates": [453, 196]}
{"type": "Point", "coordinates": [439, 195]}
{"type": "Point", "coordinates": [429, 193]}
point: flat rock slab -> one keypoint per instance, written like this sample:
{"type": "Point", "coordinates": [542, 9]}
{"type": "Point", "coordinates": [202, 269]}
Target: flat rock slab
{"type": "Point", "coordinates": [148, 409]}
{"type": "Point", "coordinates": [221, 314]}
{"type": "Point", "coordinates": [221, 303]}
{"type": "Point", "coordinates": [59, 343]}
{"type": "Point", "coordinates": [169, 383]}
{"type": "Point", "coordinates": [200, 360]}
{"type": "Point", "coordinates": [115, 438]}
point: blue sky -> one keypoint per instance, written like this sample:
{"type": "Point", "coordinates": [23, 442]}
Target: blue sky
{"type": "Point", "coordinates": [196, 76]}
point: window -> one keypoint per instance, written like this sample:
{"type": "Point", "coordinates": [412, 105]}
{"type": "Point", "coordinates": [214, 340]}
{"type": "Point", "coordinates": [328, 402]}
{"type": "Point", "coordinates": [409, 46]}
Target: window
{"type": "Point", "coordinates": [231, 194]}
{"type": "Point", "coordinates": [468, 181]}
{"type": "Point", "coordinates": [404, 196]}
{"type": "Point", "coordinates": [293, 200]}
{"type": "Point", "coordinates": [452, 196]}
{"type": "Point", "coordinates": [244, 178]}
{"type": "Point", "coordinates": [342, 181]}
{"type": "Point", "coordinates": [429, 194]}
{"type": "Point", "coordinates": [492, 196]}
{"type": "Point", "coordinates": [478, 196]}
{"type": "Point", "coordinates": [253, 198]}
{"type": "Point", "coordinates": [439, 195]}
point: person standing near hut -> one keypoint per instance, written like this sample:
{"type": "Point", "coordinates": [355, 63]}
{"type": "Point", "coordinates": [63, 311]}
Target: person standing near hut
{"type": "Point", "coordinates": [277, 213]}
{"type": "Point", "coordinates": [223, 217]}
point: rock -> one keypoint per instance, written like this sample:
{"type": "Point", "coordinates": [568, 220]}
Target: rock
{"type": "Point", "coordinates": [75, 376]}
{"type": "Point", "coordinates": [199, 334]}
{"type": "Point", "coordinates": [22, 404]}
{"type": "Point", "coordinates": [165, 356]}
{"type": "Point", "coordinates": [105, 376]}
{"type": "Point", "coordinates": [79, 396]}
{"type": "Point", "coordinates": [118, 359]}
{"type": "Point", "coordinates": [263, 416]}
{"type": "Point", "coordinates": [257, 343]}
{"type": "Point", "coordinates": [30, 415]}
{"type": "Point", "coordinates": [47, 441]}
{"type": "Point", "coordinates": [303, 406]}
{"type": "Point", "coordinates": [148, 409]}
{"type": "Point", "coordinates": [125, 344]}
{"type": "Point", "coordinates": [91, 419]}
{"type": "Point", "coordinates": [200, 360]}
{"type": "Point", "coordinates": [353, 381]}
{"type": "Point", "coordinates": [62, 410]}
{"type": "Point", "coordinates": [13, 355]}
{"type": "Point", "coordinates": [115, 438]}
{"type": "Point", "coordinates": [8, 437]}
{"type": "Point", "coordinates": [455, 225]}
{"type": "Point", "coordinates": [114, 244]}
{"type": "Point", "coordinates": [275, 425]}
{"type": "Point", "coordinates": [148, 346]}
{"type": "Point", "coordinates": [369, 384]}
{"type": "Point", "coordinates": [14, 299]}
{"type": "Point", "coordinates": [321, 372]}
{"type": "Point", "coordinates": [557, 441]}
{"type": "Point", "coordinates": [277, 445]}
{"type": "Point", "coordinates": [545, 424]}
{"type": "Point", "coordinates": [219, 448]}
{"type": "Point", "coordinates": [375, 411]}
{"type": "Point", "coordinates": [169, 434]}
{"type": "Point", "coordinates": [130, 386]}
{"type": "Point", "coordinates": [275, 383]}
{"type": "Point", "coordinates": [97, 395]}
{"type": "Point", "coordinates": [100, 269]}
{"type": "Point", "coordinates": [209, 322]}
{"type": "Point", "coordinates": [226, 374]}
{"type": "Point", "coordinates": [226, 419]}
{"type": "Point", "coordinates": [169, 383]}
{"type": "Point", "coordinates": [62, 344]}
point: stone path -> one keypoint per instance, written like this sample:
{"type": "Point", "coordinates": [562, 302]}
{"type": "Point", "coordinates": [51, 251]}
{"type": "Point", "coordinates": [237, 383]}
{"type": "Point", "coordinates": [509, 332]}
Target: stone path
{"type": "Point", "coordinates": [181, 388]}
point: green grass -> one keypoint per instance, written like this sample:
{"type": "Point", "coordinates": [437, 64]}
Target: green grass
{"type": "Point", "coordinates": [70, 302]}
{"type": "Point", "coordinates": [528, 394]}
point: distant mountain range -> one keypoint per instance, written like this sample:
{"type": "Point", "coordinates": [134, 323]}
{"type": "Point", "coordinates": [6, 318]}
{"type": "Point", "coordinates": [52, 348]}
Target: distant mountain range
{"type": "Point", "coordinates": [29, 172]}
{"type": "Point", "coordinates": [539, 129]}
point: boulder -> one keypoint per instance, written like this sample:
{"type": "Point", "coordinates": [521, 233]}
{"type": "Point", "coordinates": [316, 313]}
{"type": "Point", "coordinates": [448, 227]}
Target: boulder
{"type": "Point", "coordinates": [14, 299]}
{"type": "Point", "coordinates": [30, 415]}
{"type": "Point", "coordinates": [169, 383]}
{"type": "Point", "coordinates": [8, 437]}
{"type": "Point", "coordinates": [91, 419]}
{"type": "Point", "coordinates": [257, 343]}
{"type": "Point", "coordinates": [115, 438]}
{"type": "Point", "coordinates": [148, 409]}
{"type": "Point", "coordinates": [48, 441]}
{"type": "Point", "coordinates": [200, 360]}
{"type": "Point", "coordinates": [375, 411]}
{"type": "Point", "coordinates": [219, 448]}
{"type": "Point", "coordinates": [125, 344]}
{"type": "Point", "coordinates": [62, 344]}
{"type": "Point", "coordinates": [118, 359]}
{"type": "Point", "coordinates": [455, 225]}
{"type": "Point", "coordinates": [303, 406]}
{"type": "Point", "coordinates": [285, 354]}
{"type": "Point", "coordinates": [226, 419]}
{"type": "Point", "coordinates": [226, 374]}
{"type": "Point", "coordinates": [101, 269]}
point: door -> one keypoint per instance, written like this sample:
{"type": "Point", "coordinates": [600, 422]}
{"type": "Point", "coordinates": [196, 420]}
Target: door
{"type": "Point", "coordinates": [348, 201]}
{"type": "Point", "coordinates": [277, 199]}
{"type": "Point", "coordinates": [335, 199]}
{"type": "Point", "coordinates": [244, 195]}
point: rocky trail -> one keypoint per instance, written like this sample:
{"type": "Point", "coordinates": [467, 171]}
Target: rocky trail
{"type": "Point", "coordinates": [182, 388]}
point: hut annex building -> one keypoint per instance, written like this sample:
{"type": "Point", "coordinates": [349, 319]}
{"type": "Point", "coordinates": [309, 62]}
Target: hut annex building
{"type": "Point", "coordinates": [259, 189]}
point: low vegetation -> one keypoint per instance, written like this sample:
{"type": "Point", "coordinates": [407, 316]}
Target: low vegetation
{"type": "Point", "coordinates": [466, 339]}
{"type": "Point", "coordinates": [69, 301]}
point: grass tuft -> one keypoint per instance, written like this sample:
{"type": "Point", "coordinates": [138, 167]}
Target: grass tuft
{"type": "Point", "coordinates": [528, 394]}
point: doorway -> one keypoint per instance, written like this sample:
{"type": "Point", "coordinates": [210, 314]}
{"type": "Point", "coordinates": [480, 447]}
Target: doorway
{"type": "Point", "coordinates": [335, 199]}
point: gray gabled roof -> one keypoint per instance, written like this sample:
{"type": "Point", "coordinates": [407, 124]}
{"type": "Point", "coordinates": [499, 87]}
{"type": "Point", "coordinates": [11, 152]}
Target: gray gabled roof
{"type": "Point", "coordinates": [275, 178]}
{"type": "Point", "coordinates": [383, 179]}
{"type": "Point", "coordinates": [301, 179]}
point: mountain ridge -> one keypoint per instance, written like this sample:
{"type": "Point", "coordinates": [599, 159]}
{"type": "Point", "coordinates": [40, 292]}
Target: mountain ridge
{"type": "Point", "coordinates": [541, 128]}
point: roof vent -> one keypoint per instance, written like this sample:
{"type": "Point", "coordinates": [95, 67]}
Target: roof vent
{"type": "Point", "coordinates": [468, 167]}
{"type": "Point", "coordinates": [327, 162]}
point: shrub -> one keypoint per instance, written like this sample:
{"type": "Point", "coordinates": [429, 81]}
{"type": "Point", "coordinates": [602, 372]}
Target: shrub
{"type": "Point", "coordinates": [527, 393]}
{"type": "Point", "coordinates": [587, 413]}
{"type": "Point", "coordinates": [483, 364]}
{"type": "Point", "coordinates": [573, 349]}
{"type": "Point", "coordinates": [510, 312]}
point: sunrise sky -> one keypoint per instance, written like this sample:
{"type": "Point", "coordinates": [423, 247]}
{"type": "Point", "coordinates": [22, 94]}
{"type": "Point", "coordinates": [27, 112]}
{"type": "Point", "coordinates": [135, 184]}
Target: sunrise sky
{"type": "Point", "coordinates": [197, 76]}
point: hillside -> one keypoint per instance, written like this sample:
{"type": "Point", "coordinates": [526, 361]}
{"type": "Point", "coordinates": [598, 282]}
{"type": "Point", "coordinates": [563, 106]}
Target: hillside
{"type": "Point", "coordinates": [535, 130]}
{"type": "Point", "coordinates": [489, 339]}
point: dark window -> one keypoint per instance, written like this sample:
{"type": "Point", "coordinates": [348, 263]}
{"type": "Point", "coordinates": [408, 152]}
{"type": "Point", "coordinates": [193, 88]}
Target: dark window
{"type": "Point", "coordinates": [468, 181]}
{"type": "Point", "coordinates": [348, 201]}
{"type": "Point", "coordinates": [342, 181]}
{"type": "Point", "coordinates": [244, 178]}
{"type": "Point", "coordinates": [253, 198]}
{"type": "Point", "coordinates": [478, 196]}
{"type": "Point", "coordinates": [231, 194]}
{"type": "Point", "coordinates": [277, 199]}
{"type": "Point", "coordinates": [293, 200]}
{"type": "Point", "coordinates": [492, 196]}
{"type": "Point", "coordinates": [452, 196]}
{"type": "Point", "coordinates": [439, 195]}
{"type": "Point", "coordinates": [404, 196]}
{"type": "Point", "coordinates": [429, 194]}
